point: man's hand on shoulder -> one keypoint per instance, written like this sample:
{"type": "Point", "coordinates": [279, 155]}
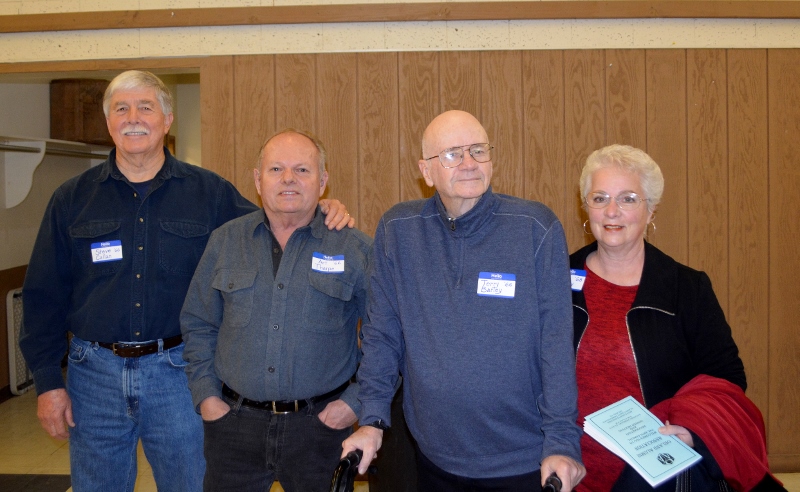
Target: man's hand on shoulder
{"type": "Point", "coordinates": [54, 409]}
{"type": "Point", "coordinates": [213, 408]}
{"type": "Point", "coordinates": [368, 439]}
{"type": "Point", "coordinates": [336, 214]}
{"type": "Point", "coordinates": [569, 471]}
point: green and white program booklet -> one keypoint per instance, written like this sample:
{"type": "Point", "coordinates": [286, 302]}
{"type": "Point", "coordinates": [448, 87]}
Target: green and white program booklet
{"type": "Point", "coordinates": [630, 431]}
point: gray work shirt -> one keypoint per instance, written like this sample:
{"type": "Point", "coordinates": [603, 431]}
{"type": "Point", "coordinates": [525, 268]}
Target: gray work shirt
{"type": "Point", "coordinates": [288, 336]}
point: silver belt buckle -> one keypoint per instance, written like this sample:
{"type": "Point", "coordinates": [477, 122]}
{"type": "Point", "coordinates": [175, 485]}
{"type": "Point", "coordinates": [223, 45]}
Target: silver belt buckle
{"type": "Point", "coordinates": [275, 408]}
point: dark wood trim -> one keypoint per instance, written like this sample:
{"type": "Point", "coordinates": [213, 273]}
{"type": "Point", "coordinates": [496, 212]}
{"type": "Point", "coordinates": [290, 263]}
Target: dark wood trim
{"type": "Point", "coordinates": [191, 64]}
{"type": "Point", "coordinates": [399, 12]}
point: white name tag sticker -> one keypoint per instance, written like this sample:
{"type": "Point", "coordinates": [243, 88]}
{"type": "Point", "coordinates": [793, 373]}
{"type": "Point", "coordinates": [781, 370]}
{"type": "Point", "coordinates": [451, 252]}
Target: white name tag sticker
{"type": "Point", "coordinates": [577, 278]}
{"type": "Point", "coordinates": [106, 251]}
{"type": "Point", "coordinates": [497, 284]}
{"type": "Point", "coordinates": [327, 264]}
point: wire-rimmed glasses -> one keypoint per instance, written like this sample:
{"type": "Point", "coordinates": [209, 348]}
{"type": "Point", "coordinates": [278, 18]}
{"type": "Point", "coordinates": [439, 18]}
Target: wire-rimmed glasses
{"type": "Point", "coordinates": [454, 156]}
{"type": "Point", "coordinates": [625, 201]}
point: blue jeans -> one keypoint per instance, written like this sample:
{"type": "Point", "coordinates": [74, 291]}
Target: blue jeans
{"type": "Point", "coordinates": [248, 449]}
{"type": "Point", "coordinates": [117, 401]}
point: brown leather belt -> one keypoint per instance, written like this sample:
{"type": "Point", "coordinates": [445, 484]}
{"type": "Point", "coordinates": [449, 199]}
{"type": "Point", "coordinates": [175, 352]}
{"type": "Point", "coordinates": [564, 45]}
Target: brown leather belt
{"type": "Point", "coordinates": [136, 349]}
{"type": "Point", "coordinates": [285, 406]}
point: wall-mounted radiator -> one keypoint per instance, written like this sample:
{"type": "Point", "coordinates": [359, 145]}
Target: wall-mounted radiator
{"type": "Point", "coordinates": [20, 377]}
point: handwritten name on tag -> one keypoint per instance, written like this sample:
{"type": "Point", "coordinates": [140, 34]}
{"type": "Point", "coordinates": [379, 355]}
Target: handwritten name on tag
{"type": "Point", "coordinates": [327, 264]}
{"type": "Point", "coordinates": [106, 251]}
{"type": "Point", "coordinates": [577, 278]}
{"type": "Point", "coordinates": [497, 284]}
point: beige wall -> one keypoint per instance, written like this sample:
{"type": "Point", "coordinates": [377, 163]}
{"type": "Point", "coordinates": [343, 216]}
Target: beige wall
{"type": "Point", "coordinates": [370, 36]}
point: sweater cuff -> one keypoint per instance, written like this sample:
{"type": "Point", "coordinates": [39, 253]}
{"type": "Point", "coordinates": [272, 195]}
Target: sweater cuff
{"type": "Point", "coordinates": [375, 410]}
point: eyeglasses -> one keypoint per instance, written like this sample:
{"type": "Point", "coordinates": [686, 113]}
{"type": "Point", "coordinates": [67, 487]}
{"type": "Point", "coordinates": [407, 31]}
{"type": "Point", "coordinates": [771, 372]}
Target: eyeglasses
{"type": "Point", "coordinates": [454, 156]}
{"type": "Point", "coordinates": [625, 201]}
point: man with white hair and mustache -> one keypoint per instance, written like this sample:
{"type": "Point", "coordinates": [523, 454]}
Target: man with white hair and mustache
{"type": "Point", "coordinates": [112, 263]}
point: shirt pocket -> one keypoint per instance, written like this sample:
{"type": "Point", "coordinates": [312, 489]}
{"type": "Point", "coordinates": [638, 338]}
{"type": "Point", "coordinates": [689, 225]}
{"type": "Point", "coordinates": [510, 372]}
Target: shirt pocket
{"type": "Point", "coordinates": [181, 244]}
{"type": "Point", "coordinates": [326, 298]}
{"type": "Point", "coordinates": [237, 290]}
{"type": "Point", "coordinates": [85, 234]}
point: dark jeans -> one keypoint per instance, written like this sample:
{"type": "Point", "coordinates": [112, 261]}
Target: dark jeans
{"type": "Point", "coordinates": [248, 449]}
{"type": "Point", "coordinates": [434, 479]}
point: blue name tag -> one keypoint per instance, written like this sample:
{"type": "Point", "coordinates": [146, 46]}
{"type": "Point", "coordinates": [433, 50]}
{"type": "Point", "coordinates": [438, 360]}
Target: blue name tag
{"type": "Point", "coordinates": [497, 284]}
{"type": "Point", "coordinates": [106, 251]}
{"type": "Point", "coordinates": [577, 278]}
{"type": "Point", "coordinates": [327, 264]}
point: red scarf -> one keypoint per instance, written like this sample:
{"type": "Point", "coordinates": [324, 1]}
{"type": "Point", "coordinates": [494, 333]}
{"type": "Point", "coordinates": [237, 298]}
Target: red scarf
{"type": "Point", "coordinates": [730, 425]}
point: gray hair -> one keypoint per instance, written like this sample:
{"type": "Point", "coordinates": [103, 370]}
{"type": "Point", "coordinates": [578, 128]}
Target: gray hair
{"type": "Point", "coordinates": [138, 79]}
{"type": "Point", "coordinates": [630, 159]}
{"type": "Point", "coordinates": [322, 154]}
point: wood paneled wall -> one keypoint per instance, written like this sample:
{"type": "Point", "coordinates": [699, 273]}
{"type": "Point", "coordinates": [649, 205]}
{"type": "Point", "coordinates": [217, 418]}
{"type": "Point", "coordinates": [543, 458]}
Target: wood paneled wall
{"type": "Point", "coordinates": [724, 125]}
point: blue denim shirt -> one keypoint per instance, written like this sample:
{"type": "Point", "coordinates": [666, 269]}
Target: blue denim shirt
{"type": "Point", "coordinates": [162, 236]}
{"type": "Point", "coordinates": [288, 336]}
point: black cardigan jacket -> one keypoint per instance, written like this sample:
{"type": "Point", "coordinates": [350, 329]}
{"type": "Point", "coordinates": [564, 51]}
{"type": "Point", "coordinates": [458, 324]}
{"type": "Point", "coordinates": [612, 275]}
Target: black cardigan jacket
{"type": "Point", "coordinates": [676, 326]}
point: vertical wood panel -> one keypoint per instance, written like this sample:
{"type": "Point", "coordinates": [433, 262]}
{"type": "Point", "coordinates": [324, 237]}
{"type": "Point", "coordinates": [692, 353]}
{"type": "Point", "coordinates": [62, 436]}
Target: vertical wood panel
{"type": "Point", "coordinates": [584, 123]}
{"type": "Point", "coordinates": [666, 144]}
{"type": "Point", "coordinates": [337, 124]}
{"type": "Point", "coordinates": [418, 104]}
{"type": "Point", "coordinates": [216, 116]}
{"type": "Point", "coordinates": [784, 234]}
{"type": "Point", "coordinates": [626, 100]}
{"type": "Point", "coordinates": [295, 77]}
{"type": "Point", "coordinates": [501, 115]}
{"type": "Point", "coordinates": [715, 127]}
{"type": "Point", "coordinates": [545, 176]}
{"type": "Point", "coordinates": [708, 167]}
{"type": "Point", "coordinates": [378, 136]}
{"type": "Point", "coordinates": [460, 81]}
{"type": "Point", "coordinates": [254, 116]}
{"type": "Point", "coordinates": [748, 231]}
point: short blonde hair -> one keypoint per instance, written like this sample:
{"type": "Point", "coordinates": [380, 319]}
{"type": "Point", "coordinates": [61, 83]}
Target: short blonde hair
{"type": "Point", "coordinates": [138, 79]}
{"type": "Point", "coordinates": [630, 159]}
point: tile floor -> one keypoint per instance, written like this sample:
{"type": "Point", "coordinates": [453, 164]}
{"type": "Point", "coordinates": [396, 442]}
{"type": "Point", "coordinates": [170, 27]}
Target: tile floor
{"type": "Point", "coordinates": [26, 449]}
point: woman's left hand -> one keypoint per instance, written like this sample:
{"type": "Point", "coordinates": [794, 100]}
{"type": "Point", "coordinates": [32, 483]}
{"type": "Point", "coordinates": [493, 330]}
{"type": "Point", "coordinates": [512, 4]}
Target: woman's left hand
{"type": "Point", "coordinates": [681, 433]}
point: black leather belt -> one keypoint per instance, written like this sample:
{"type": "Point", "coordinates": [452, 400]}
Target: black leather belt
{"type": "Point", "coordinates": [285, 406]}
{"type": "Point", "coordinates": [136, 349]}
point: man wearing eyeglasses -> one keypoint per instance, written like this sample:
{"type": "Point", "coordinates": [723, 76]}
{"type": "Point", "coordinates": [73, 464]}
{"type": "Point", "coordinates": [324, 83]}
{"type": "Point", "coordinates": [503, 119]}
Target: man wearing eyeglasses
{"type": "Point", "coordinates": [470, 303]}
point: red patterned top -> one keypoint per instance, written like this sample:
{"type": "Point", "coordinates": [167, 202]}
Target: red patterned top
{"type": "Point", "coordinates": [606, 372]}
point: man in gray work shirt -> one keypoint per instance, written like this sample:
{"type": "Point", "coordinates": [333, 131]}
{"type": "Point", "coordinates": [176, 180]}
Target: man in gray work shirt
{"type": "Point", "coordinates": [270, 329]}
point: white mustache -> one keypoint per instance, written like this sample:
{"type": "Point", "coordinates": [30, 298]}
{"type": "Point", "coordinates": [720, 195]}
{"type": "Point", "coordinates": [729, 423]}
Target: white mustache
{"type": "Point", "coordinates": [135, 129]}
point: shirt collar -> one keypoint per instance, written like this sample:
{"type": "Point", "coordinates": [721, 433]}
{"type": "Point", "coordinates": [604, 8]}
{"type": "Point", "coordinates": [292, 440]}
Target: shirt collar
{"type": "Point", "coordinates": [471, 221]}
{"type": "Point", "coordinates": [171, 168]}
{"type": "Point", "coordinates": [317, 225]}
